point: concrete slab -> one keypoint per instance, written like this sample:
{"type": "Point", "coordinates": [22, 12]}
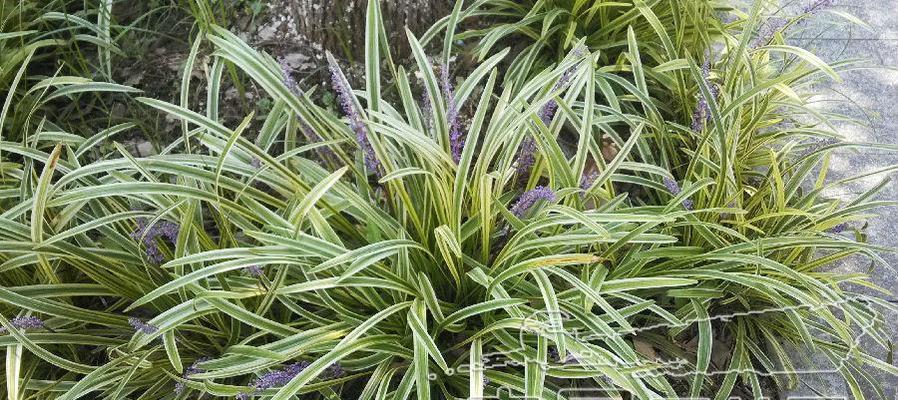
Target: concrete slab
{"type": "Point", "coordinates": [872, 93]}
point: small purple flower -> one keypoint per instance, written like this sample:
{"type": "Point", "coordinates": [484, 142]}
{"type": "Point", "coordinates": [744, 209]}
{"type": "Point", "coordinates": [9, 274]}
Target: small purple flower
{"type": "Point", "coordinates": [547, 112]}
{"type": "Point", "coordinates": [141, 326]}
{"type": "Point", "coordinates": [335, 370]}
{"type": "Point", "coordinates": [526, 156]}
{"type": "Point", "coordinates": [671, 186]}
{"type": "Point", "coordinates": [702, 112]}
{"type": "Point", "coordinates": [254, 270]}
{"type": "Point", "coordinates": [344, 92]}
{"type": "Point", "coordinates": [180, 387]}
{"type": "Point", "coordinates": [192, 369]}
{"type": "Point", "coordinates": [529, 198]}
{"type": "Point", "coordinates": [587, 180]}
{"type": "Point", "coordinates": [456, 142]}
{"type": "Point", "coordinates": [526, 153]}
{"type": "Point", "coordinates": [162, 228]}
{"type": "Point", "coordinates": [674, 189]}
{"type": "Point", "coordinates": [839, 228]}
{"type": "Point", "coordinates": [279, 377]}
{"type": "Point", "coordinates": [27, 322]}
{"type": "Point", "coordinates": [255, 163]}
{"type": "Point", "coordinates": [700, 115]}
{"type": "Point", "coordinates": [486, 381]}
{"type": "Point", "coordinates": [169, 230]}
{"type": "Point", "coordinates": [154, 254]}
{"type": "Point", "coordinates": [289, 82]}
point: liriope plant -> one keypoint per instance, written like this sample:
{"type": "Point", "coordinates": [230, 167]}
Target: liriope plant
{"type": "Point", "coordinates": [545, 30]}
{"type": "Point", "coordinates": [395, 252]}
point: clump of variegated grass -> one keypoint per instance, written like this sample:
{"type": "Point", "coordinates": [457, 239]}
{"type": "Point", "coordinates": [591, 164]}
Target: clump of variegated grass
{"type": "Point", "coordinates": [404, 275]}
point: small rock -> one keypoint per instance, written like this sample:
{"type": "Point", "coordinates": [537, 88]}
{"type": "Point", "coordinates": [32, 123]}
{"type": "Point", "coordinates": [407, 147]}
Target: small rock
{"type": "Point", "coordinates": [143, 148]}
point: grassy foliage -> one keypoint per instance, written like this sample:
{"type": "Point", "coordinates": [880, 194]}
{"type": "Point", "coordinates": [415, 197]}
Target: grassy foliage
{"type": "Point", "coordinates": [46, 47]}
{"type": "Point", "coordinates": [273, 261]}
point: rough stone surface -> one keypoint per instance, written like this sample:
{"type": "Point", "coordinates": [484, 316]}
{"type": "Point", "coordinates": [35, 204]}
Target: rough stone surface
{"type": "Point", "coordinates": [871, 97]}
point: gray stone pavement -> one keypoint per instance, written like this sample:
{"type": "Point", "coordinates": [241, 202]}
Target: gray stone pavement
{"type": "Point", "coordinates": [870, 96]}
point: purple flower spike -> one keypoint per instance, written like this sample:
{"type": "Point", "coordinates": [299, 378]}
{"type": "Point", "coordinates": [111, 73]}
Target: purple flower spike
{"type": "Point", "coordinates": [671, 186]}
{"type": "Point", "coordinates": [154, 254]}
{"type": "Point", "coordinates": [344, 92]}
{"type": "Point", "coordinates": [699, 116]}
{"type": "Point", "coordinates": [192, 369]}
{"type": "Point", "coordinates": [526, 153]}
{"type": "Point", "coordinates": [456, 142]}
{"type": "Point", "coordinates": [587, 180]}
{"type": "Point", "coordinates": [29, 322]}
{"type": "Point", "coordinates": [169, 230]}
{"type": "Point", "coordinates": [141, 326]}
{"type": "Point", "coordinates": [528, 199]}
{"type": "Point", "coordinates": [839, 228]}
{"type": "Point", "coordinates": [279, 377]}
{"type": "Point", "coordinates": [674, 190]}
{"type": "Point", "coordinates": [275, 378]}
{"type": "Point", "coordinates": [289, 82]}
{"type": "Point", "coordinates": [526, 156]}
{"type": "Point", "coordinates": [702, 112]}
{"type": "Point", "coordinates": [141, 226]}
{"type": "Point", "coordinates": [547, 112]}
{"type": "Point", "coordinates": [335, 370]}
{"type": "Point", "coordinates": [164, 229]}
{"type": "Point", "coordinates": [254, 270]}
